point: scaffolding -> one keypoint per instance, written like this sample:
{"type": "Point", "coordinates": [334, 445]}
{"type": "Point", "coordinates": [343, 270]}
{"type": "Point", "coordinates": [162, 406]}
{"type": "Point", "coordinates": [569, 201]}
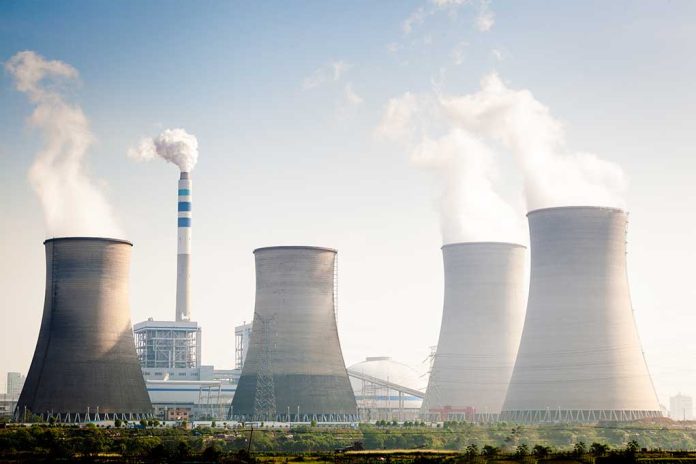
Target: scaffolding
{"type": "Point", "coordinates": [168, 345]}
{"type": "Point", "coordinates": [242, 336]}
{"type": "Point", "coordinates": [264, 399]}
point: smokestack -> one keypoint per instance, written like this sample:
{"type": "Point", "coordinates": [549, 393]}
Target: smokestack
{"type": "Point", "coordinates": [294, 365]}
{"type": "Point", "coordinates": [481, 327]}
{"type": "Point", "coordinates": [85, 366]}
{"type": "Point", "coordinates": [183, 257]}
{"type": "Point", "coordinates": [580, 358]}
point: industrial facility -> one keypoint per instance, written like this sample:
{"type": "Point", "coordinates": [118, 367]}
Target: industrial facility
{"type": "Point", "coordinates": [481, 326]}
{"type": "Point", "coordinates": [580, 358]}
{"type": "Point", "coordinates": [386, 389]}
{"type": "Point", "coordinates": [294, 369]}
{"type": "Point", "coordinates": [85, 366]}
{"type": "Point", "coordinates": [170, 352]}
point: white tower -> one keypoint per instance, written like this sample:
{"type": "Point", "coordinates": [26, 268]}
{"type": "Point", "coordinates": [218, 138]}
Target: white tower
{"type": "Point", "coordinates": [481, 326]}
{"type": "Point", "coordinates": [580, 359]}
{"type": "Point", "coordinates": [183, 258]}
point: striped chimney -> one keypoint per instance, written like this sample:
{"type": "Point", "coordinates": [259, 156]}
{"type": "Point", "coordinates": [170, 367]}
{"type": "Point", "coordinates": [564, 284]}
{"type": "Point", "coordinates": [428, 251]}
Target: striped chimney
{"type": "Point", "coordinates": [183, 258]}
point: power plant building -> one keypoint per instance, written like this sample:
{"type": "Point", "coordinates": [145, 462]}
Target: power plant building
{"type": "Point", "coordinates": [580, 358]}
{"type": "Point", "coordinates": [168, 344]}
{"type": "Point", "coordinates": [15, 382]}
{"type": "Point", "coordinates": [170, 352]}
{"type": "Point", "coordinates": [482, 321]}
{"type": "Point", "coordinates": [294, 369]}
{"type": "Point", "coordinates": [85, 366]}
{"type": "Point", "coordinates": [681, 407]}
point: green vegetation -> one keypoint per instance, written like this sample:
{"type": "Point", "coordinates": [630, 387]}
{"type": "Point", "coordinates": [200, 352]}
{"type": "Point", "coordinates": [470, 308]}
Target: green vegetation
{"type": "Point", "coordinates": [461, 442]}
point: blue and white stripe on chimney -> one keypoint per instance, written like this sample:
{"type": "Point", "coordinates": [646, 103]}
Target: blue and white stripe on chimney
{"type": "Point", "coordinates": [183, 258]}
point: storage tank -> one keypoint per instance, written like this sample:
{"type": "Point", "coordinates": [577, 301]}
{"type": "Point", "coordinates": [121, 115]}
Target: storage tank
{"type": "Point", "coordinates": [481, 325]}
{"type": "Point", "coordinates": [580, 358]}
{"type": "Point", "coordinates": [294, 369]}
{"type": "Point", "coordinates": [84, 365]}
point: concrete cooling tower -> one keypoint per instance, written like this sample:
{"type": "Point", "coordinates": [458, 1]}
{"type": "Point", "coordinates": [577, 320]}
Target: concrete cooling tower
{"type": "Point", "coordinates": [480, 332]}
{"type": "Point", "coordinates": [580, 359]}
{"type": "Point", "coordinates": [294, 368]}
{"type": "Point", "coordinates": [85, 366]}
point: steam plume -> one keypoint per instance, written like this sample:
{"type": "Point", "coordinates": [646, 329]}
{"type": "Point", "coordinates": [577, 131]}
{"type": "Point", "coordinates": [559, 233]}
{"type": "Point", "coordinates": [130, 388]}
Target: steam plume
{"type": "Point", "coordinates": [554, 176]}
{"type": "Point", "coordinates": [470, 207]}
{"type": "Point", "coordinates": [174, 145]}
{"type": "Point", "coordinates": [72, 204]}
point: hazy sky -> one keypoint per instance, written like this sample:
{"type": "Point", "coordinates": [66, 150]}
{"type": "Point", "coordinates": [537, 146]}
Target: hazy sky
{"type": "Point", "coordinates": [288, 101]}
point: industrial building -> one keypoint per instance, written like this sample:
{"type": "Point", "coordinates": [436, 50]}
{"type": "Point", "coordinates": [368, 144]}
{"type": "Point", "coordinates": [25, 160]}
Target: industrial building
{"type": "Point", "coordinates": [481, 326]}
{"type": "Point", "coordinates": [580, 358]}
{"type": "Point", "coordinates": [386, 389]}
{"type": "Point", "coordinates": [170, 352]}
{"type": "Point", "coordinates": [85, 366]}
{"type": "Point", "coordinates": [294, 369]}
{"type": "Point", "coordinates": [8, 400]}
{"type": "Point", "coordinates": [681, 407]}
{"type": "Point", "coordinates": [15, 382]}
{"type": "Point", "coordinates": [242, 337]}
{"type": "Point", "coordinates": [206, 398]}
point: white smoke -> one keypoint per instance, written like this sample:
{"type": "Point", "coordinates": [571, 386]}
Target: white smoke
{"type": "Point", "coordinates": [72, 204]}
{"type": "Point", "coordinates": [470, 207]}
{"type": "Point", "coordinates": [174, 145]}
{"type": "Point", "coordinates": [554, 176]}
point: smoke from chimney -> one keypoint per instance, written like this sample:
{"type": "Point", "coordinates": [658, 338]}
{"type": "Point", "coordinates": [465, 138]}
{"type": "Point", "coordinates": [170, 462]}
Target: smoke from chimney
{"type": "Point", "coordinates": [72, 203]}
{"type": "Point", "coordinates": [554, 175]}
{"type": "Point", "coordinates": [470, 205]}
{"type": "Point", "coordinates": [181, 148]}
{"type": "Point", "coordinates": [174, 145]}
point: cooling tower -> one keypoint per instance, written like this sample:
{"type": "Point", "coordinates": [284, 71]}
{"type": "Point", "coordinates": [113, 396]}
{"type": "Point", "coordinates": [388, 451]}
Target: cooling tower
{"type": "Point", "coordinates": [183, 257]}
{"type": "Point", "coordinates": [84, 365]}
{"type": "Point", "coordinates": [580, 359]}
{"type": "Point", "coordinates": [480, 332]}
{"type": "Point", "coordinates": [294, 368]}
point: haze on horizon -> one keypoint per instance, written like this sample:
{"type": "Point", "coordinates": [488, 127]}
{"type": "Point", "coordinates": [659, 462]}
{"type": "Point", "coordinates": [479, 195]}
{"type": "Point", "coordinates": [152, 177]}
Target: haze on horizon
{"type": "Point", "coordinates": [381, 130]}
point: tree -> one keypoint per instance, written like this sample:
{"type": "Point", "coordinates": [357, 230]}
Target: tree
{"type": "Point", "coordinates": [632, 447]}
{"type": "Point", "coordinates": [118, 423]}
{"type": "Point", "coordinates": [598, 449]}
{"type": "Point", "coordinates": [212, 453]}
{"type": "Point", "coordinates": [472, 450]}
{"type": "Point", "coordinates": [183, 450]}
{"type": "Point", "coordinates": [540, 451]}
{"type": "Point", "coordinates": [522, 450]}
{"type": "Point", "coordinates": [490, 451]}
{"type": "Point", "coordinates": [580, 448]}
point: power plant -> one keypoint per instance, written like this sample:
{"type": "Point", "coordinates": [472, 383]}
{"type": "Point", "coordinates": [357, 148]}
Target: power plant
{"type": "Point", "coordinates": [481, 325]}
{"type": "Point", "coordinates": [294, 369]}
{"type": "Point", "coordinates": [84, 365]}
{"type": "Point", "coordinates": [580, 358]}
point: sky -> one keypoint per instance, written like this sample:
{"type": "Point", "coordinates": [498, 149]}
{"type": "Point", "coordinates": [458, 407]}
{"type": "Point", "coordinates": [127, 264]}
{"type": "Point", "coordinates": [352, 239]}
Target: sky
{"type": "Point", "coordinates": [289, 103]}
